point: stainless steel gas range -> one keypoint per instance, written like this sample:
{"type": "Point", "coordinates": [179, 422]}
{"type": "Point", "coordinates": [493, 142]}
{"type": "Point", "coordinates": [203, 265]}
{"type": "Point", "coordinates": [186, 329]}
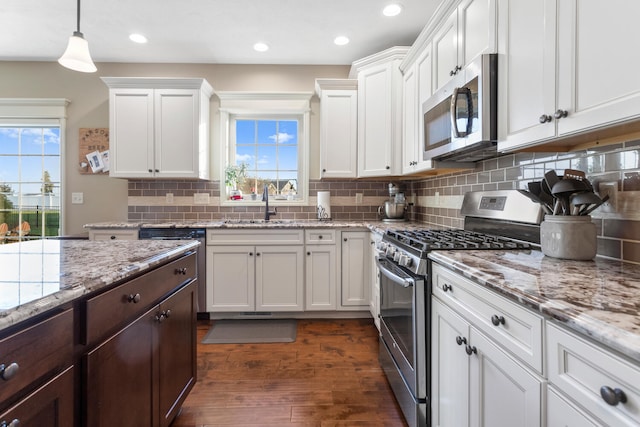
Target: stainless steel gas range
{"type": "Point", "coordinates": [494, 220]}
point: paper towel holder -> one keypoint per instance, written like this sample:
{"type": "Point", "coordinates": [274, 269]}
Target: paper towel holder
{"type": "Point", "coordinates": [323, 215]}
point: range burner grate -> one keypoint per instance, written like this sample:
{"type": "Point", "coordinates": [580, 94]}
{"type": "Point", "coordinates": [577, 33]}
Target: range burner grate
{"type": "Point", "coordinates": [426, 240]}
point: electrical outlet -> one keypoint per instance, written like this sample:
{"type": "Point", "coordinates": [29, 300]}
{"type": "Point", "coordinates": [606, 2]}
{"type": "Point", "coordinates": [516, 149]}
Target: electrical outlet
{"type": "Point", "coordinates": [168, 198]}
{"type": "Point", "coordinates": [201, 199]}
{"type": "Point", "coordinates": [359, 198]}
{"type": "Point", "coordinates": [609, 188]}
{"type": "Point", "coordinates": [77, 198]}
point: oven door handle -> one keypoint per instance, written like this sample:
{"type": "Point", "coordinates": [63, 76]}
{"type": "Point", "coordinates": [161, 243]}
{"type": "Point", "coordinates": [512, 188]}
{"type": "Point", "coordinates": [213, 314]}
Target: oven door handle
{"type": "Point", "coordinates": [405, 282]}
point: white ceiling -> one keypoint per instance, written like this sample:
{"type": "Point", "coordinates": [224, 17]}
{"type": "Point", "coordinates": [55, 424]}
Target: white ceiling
{"type": "Point", "coordinates": [210, 31]}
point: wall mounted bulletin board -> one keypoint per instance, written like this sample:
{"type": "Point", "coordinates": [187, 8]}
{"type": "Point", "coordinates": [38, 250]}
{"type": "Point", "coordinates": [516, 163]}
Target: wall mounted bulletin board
{"type": "Point", "coordinates": [93, 153]}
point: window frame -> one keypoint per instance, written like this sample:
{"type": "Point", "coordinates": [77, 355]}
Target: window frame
{"type": "Point", "coordinates": [264, 106]}
{"type": "Point", "coordinates": [40, 112]}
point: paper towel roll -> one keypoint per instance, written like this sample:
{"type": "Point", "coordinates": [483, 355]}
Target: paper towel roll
{"type": "Point", "coordinates": [324, 205]}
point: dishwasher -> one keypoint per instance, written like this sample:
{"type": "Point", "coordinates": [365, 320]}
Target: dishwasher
{"type": "Point", "coordinates": [198, 234]}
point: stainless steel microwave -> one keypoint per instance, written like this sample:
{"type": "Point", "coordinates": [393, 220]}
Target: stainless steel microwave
{"type": "Point", "coordinates": [460, 119]}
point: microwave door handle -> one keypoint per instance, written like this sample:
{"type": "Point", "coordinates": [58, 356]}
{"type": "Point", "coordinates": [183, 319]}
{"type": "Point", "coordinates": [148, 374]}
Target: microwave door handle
{"type": "Point", "coordinates": [454, 111]}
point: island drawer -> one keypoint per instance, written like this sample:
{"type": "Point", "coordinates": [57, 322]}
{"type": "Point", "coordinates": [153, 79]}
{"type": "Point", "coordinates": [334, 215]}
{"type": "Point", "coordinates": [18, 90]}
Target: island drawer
{"type": "Point", "coordinates": [35, 352]}
{"type": "Point", "coordinates": [320, 237]}
{"type": "Point", "coordinates": [581, 369]}
{"type": "Point", "coordinates": [109, 311]}
{"type": "Point", "coordinates": [516, 328]}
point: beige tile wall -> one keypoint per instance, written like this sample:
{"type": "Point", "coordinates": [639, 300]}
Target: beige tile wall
{"type": "Point", "coordinates": [437, 199]}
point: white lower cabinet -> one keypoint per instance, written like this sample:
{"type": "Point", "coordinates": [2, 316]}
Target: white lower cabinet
{"type": "Point", "coordinates": [590, 380]}
{"type": "Point", "coordinates": [475, 382]}
{"type": "Point", "coordinates": [374, 279]}
{"type": "Point", "coordinates": [355, 270]}
{"type": "Point", "coordinates": [321, 274]}
{"type": "Point", "coordinates": [267, 277]}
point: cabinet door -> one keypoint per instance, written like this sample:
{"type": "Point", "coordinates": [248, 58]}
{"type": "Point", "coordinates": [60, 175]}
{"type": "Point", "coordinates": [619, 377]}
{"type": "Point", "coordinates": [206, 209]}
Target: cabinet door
{"type": "Point", "coordinates": [502, 392]}
{"type": "Point", "coordinates": [355, 270]}
{"type": "Point", "coordinates": [51, 405]}
{"type": "Point", "coordinates": [176, 133]}
{"type": "Point", "coordinates": [374, 121]}
{"type": "Point", "coordinates": [321, 277]}
{"type": "Point", "coordinates": [477, 29]}
{"type": "Point", "coordinates": [279, 278]}
{"type": "Point", "coordinates": [410, 118]}
{"type": "Point", "coordinates": [445, 51]}
{"type": "Point", "coordinates": [374, 279]}
{"type": "Point", "coordinates": [527, 70]}
{"type": "Point", "coordinates": [230, 278]}
{"type": "Point", "coordinates": [338, 133]}
{"type": "Point", "coordinates": [449, 368]}
{"type": "Point", "coordinates": [561, 412]}
{"type": "Point", "coordinates": [176, 350]}
{"type": "Point", "coordinates": [131, 124]}
{"type": "Point", "coordinates": [598, 82]}
{"type": "Point", "coordinates": [125, 358]}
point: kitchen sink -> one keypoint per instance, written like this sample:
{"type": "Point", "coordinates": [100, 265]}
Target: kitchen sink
{"type": "Point", "coordinates": [257, 221]}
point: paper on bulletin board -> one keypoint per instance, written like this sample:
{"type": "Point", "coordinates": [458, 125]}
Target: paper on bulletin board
{"type": "Point", "coordinates": [94, 151]}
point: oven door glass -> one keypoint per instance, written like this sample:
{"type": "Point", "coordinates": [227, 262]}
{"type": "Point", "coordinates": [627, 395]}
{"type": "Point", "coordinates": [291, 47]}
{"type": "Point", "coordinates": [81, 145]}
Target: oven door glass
{"type": "Point", "coordinates": [397, 306]}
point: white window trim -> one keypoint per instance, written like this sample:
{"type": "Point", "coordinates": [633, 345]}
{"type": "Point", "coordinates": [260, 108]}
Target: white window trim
{"type": "Point", "coordinates": [40, 112]}
{"type": "Point", "coordinates": [264, 104]}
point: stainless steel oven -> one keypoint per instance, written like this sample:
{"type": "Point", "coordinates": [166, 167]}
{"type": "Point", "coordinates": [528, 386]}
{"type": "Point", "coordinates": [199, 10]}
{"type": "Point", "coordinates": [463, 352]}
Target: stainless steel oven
{"type": "Point", "coordinates": [403, 314]}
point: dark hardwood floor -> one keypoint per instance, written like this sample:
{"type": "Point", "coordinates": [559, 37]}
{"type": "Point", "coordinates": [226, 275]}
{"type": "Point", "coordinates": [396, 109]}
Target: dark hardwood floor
{"type": "Point", "coordinates": [329, 376]}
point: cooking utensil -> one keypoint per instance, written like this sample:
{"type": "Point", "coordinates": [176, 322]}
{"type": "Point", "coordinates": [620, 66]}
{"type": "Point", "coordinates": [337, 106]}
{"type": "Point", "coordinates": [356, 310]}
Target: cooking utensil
{"type": "Point", "coordinates": [564, 188]}
{"type": "Point", "coordinates": [551, 178]}
{"type": "Point", "coordinates": [537, 188]}
{"type": "Point", "coordinates": [582, 201]}
{"type": "Point", "coordinates": [574, 173]}
{"type": "Point", "coordinates": [596, 206]}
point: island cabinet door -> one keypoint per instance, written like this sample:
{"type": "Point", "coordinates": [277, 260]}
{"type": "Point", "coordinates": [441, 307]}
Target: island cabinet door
{"type": "Point", "coordinates": [118, 377]}
{"type": "Point", "coordinates": [176, 350]}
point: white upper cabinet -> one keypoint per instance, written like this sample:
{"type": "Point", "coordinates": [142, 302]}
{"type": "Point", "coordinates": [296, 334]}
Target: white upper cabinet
{"type": "Point", "coordinates": [564, 69]}
{"type": "Point", "coordinates": [380, 113]}
{"type": "Point", "coordinates": [469, 31]}
{"type": "Point", "coordinates": [159, 127]}
{"type": "Point", "coordinates": [338, 127]}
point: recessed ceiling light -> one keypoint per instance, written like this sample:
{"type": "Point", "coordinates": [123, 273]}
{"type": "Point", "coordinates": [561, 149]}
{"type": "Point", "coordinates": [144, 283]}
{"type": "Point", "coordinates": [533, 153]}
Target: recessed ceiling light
{"type": "Point", "coordinates": [138, 38]}
{"type": "Point", "coordinates": [392, 9]}
{"type": "Point", "coordinates": [341, 40]}
{"type": "Point", "coordinates": [261, 47]}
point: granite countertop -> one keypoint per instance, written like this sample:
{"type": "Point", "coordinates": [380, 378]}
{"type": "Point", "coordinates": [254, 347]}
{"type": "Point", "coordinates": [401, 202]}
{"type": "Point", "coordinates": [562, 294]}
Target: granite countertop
{"type": "Point", "coordinates": [40, 275]}
{"type": "Point", "coordinates": [377, 226]}
{"type": "Point", "coordinates": [599, 298]}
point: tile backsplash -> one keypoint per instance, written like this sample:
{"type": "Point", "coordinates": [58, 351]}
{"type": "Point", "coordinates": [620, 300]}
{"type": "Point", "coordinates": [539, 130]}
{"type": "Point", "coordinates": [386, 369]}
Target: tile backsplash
{"type": "Point", "coordinates": [437, 199]}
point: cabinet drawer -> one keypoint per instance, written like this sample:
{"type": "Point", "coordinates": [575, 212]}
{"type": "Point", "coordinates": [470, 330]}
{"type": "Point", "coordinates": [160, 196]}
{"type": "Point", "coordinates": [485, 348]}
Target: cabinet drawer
{"type": "Point", "coordinates": [38, 350]}
{"type": "Point", "coordinates": [517, 329]}
{"type": "Point", "coordinates": [109, 311]}
{"type": "Point", "coordinates": [255, 236]}
{"type": "Point", "coordinates": [580, 369]}
{"type": "Point", "coordinates": [319, 237]}
{"type": "Point", "coordinates": [113, 234]}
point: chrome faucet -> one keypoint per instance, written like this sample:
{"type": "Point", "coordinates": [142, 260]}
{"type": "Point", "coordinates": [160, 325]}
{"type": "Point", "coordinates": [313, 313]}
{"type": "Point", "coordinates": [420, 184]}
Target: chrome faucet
{"type": "Point", "coordinates": [265, 198]}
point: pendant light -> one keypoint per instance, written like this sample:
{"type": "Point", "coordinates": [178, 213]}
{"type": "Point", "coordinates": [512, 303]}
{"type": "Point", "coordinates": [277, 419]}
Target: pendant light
{"type": "Point", "coordinates": [77, 56]}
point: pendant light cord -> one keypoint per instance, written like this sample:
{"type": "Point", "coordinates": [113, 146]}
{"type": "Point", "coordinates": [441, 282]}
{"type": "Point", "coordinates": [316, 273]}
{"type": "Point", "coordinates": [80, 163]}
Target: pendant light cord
{"type": "Point", "coordinates": [78, 26]}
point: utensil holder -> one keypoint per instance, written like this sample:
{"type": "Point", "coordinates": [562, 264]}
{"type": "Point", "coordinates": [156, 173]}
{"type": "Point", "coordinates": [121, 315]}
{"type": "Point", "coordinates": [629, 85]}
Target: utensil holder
{"type": "Point", "coordinates": [568, 237]}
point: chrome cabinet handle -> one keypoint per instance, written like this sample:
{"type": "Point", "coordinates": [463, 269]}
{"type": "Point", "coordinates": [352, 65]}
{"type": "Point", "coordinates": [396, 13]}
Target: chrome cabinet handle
{"type": "Point", "coordinates": [8, 372]}
{"type": "Point", "coordinates": [14, 423]}
{"type": "Point", "coordinates": [612, 396]}
{"type": "Point", "coordinates": [134, 298]}
{"type": "Point", "coordinates": [471, 350]}
{"type": "Point", "coordinates": [545, 118]}
{"type": "Point", "coordinates": [560, 114]}
{"type": "Point", "coordinates": [461, 340]}
{"type": "Point", "coordinates": [182, 271]}
{"type": "Point", "coordinates": [447, 288]}
{"type": "Point", "coordinates": [497, 320]}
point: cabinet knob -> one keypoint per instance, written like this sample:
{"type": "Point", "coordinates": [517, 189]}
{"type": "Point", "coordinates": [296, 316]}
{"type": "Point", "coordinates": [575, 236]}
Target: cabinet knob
{"type": "Point", "coordinates": [157, 170]}
{"type": "Point", "coordinates": [612, 396]}
{"type": "Point", "coordinates": [112, 237]}
{"type": "Point", "coordinates": [182, 271]}
{"type": "Point", "coordinates": [560, 114]}
{"type": "Point", "coordinates": [8, 372]}
{"type": "Point", "coordinates": [455, 70]}
{"type": "Point", "coordinates": [308, 253]}
{"type": "Point", "coordinates": [257, 253]}
{"type": "Point", "coordinates": [324, 170]}
{"type": "Point", "coordinates": [447, 288]}
{"type": "Point", "coordinates": [497, 320]}
{"type": "Point", "coordinates": [471, 350]}
{"type": "Point", "coordinates": [388, 167]}
{"type": "Point", "coordinates": [134, 298]}
{"type": "Point", "coordinates": [14, 423]}
{"type": "Point", "coordinates": [461, 340]}
{"type": "Point", "coordinates": [545, 118]}
{"type": "Point", "coordinates": [167, 313]}
{"type": "Point", "coordinates": [320, 237]}
{"type": "Point", "coordinates": [345, 239]}
{"type": "Point", "coordinates": [150, 170]}
{"type": "Point", "coordinates": [250, 253]}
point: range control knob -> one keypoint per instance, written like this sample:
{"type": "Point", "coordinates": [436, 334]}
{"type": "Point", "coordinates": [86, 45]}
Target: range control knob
{"type": "Point", "coordinates": [406, 261]}
{"type": "Point", "coordinates": [397, 256]}
{"type": "Point", "coordinates": [390, 251]}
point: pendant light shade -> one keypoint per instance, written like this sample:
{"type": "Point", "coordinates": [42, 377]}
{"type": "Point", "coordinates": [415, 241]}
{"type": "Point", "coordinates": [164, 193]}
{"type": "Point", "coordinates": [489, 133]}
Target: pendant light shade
{"type": "Point", "coordinates": [77, 56]}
